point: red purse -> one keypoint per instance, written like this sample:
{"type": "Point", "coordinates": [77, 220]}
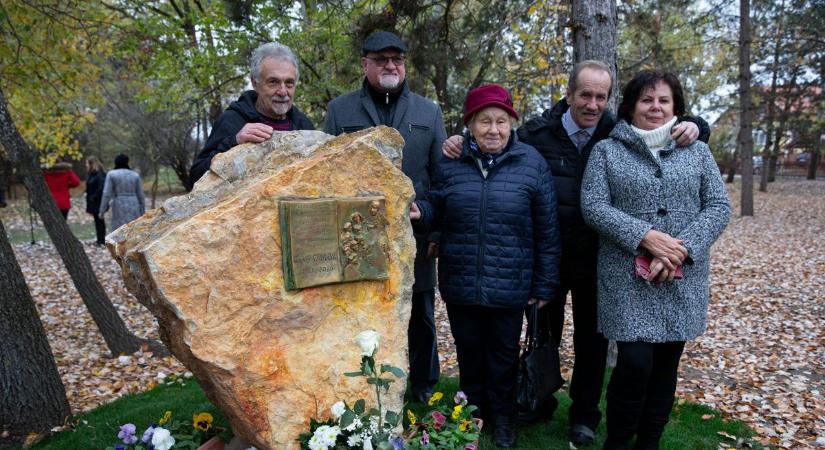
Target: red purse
{"type": "Point", "coordinates": [642, 264]}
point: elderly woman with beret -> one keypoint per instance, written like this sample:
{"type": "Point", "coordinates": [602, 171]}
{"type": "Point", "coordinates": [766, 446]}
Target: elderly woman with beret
{"type": "Point", "coordinates": [657, 210]}
{"type": "Point", "coordinates": [496, 209]}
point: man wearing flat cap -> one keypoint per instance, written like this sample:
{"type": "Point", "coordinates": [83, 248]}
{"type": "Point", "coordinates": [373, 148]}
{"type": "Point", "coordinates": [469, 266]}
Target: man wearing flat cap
{"type": "Point", "coordinates": [385, 99]}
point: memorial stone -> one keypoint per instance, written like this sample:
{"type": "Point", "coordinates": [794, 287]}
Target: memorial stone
{"type": "Point", "coordinates": [270, 349]}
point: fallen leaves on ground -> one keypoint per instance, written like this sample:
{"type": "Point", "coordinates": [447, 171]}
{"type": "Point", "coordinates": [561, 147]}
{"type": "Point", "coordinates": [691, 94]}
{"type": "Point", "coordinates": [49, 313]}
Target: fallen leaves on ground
{"type": "Point", "coordinates": [762, 359]}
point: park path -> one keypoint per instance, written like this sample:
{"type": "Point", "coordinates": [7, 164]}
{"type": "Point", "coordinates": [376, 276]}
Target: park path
{"type": "Point", "coordinates": [762, 359]}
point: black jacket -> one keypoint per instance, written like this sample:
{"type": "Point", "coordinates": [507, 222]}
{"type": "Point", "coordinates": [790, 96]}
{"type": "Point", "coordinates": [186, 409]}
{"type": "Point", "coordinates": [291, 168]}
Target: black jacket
{"type": "Point", "coordinates": [546, 133]}
{"type": "Point", "coordinates": [94, 190]}
{"type": "Point", "coordinates": [499, 235]}
{"type": "Point", "coordinates": [230, 122]}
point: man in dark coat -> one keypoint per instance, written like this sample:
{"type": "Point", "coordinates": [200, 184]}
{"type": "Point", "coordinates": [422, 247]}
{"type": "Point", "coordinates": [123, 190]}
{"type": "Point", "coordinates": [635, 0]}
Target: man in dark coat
{"type": "Point", "coordinates": [565, 135]}
{"type": "Point", "coordinates": [385, 99]}
{"type": "Point", "coordinates": [259, 112]}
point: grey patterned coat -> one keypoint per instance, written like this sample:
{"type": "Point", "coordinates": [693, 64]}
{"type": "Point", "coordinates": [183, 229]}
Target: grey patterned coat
{"type": "Point", "coordinates": [625, 193]}
{"type": "Point", "coordinates": [123, 188]}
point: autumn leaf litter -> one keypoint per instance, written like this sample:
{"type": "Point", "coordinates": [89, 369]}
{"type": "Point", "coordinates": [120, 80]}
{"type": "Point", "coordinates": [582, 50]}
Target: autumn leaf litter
{"type": "Point", "coordinates": [762, 359]}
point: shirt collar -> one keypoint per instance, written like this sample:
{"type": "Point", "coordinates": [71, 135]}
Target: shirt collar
{"type": "Point", "coordinates": [571, 127]}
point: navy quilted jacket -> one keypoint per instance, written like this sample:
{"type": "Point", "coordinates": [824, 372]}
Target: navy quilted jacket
{"type": "Point", "coordinates": [499, 235]}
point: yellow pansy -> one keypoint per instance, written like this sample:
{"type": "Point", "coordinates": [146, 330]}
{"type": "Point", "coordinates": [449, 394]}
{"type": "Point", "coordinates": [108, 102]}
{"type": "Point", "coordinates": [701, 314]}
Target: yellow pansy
{"type": "Point", "coordinates": [167, 416]}
{"type": "Point", "coordinates": [202, 421]}
{"type": "Point", "coordinates": [411, 417]}
{"type": "Point", "coordinates": [465, 425]}
{"type": "Point", "coordinates": [456, 412]}
{"type": "Point", "coordinates": [435, 398]}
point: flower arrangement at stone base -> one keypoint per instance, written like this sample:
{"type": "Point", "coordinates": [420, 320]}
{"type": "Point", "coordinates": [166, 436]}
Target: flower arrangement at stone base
{"type": "Point", "coordinates": [356, 427]}
{"type": "Point", "coordinates": [444, 426]}
{"type": "Point", "coordinates": [168, 433]}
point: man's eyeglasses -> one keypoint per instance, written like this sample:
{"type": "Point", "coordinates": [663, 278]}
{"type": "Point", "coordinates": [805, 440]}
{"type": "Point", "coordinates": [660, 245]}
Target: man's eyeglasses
{"type": "Point", "coordinates": [382, 61]}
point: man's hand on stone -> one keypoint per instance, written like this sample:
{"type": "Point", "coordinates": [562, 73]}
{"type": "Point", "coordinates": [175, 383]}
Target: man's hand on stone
{"type": "Point", "coordinates": [684, 133]}
{"type": "Point", "coordinates": [253, 132]}
{"type": "Point", "coordinates": [451, 148]}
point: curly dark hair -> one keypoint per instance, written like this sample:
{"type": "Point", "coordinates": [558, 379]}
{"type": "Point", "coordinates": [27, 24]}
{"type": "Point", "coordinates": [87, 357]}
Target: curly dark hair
{"type": "Point", "coordinates": [647, 79]}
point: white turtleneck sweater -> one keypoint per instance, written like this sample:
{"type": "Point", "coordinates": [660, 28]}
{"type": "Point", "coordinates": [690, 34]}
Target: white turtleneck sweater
{"type": "Point", "coordinates": [656, 139]}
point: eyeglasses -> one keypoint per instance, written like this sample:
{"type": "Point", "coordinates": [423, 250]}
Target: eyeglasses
{"type": "Point", "coordinates": [382, 61]}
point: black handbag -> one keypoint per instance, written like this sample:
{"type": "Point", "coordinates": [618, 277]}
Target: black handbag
{"type": "Point", "coordinates": [539, 372]}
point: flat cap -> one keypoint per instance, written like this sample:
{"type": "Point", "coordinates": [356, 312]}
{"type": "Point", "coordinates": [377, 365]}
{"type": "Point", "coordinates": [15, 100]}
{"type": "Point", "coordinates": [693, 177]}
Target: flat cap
{"type": "Point", "coordinates": [382, 40]}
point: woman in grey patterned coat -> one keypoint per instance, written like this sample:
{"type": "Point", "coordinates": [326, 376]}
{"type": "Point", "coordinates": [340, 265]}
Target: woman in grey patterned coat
{"type": "Point", "coordinates": [124, 190]}
{"type": "Point", "coordinates": [645, 197]}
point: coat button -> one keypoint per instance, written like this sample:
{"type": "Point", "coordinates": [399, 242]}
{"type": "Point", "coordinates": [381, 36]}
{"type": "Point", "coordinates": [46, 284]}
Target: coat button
{"type": "Point", "coordinates": [661, 212]}
{"type": "Point", "coordinates": [658, 173]}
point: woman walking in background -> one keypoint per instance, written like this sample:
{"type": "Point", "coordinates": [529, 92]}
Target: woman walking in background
{"type": "Point", "coordinates": [95, 179]}
{"type": "Point", "coordinates": [124, 190]}
{"type": "Point", "coordinates": [60, 178]}
{"type": "Point", "coordinates": [658, 210]}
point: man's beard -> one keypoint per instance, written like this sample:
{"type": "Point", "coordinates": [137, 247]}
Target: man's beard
{"type": "Point", "coordinates": [279, 108]}
{"type": "Point", "coordinates": [389, 82]}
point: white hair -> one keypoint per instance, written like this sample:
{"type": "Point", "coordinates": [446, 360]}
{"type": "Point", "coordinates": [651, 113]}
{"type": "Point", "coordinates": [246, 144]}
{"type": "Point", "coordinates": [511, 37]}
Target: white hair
{"type": "Point", "coordinates": [272, 50]}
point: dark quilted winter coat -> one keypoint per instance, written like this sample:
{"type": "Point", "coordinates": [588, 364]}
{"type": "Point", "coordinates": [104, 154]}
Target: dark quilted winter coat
{"type": "Point", "coordinates": [499, 235]}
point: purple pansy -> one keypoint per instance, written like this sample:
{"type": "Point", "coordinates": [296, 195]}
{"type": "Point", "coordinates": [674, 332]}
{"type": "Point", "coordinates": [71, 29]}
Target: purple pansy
{"type": "Point", "coordinates": [397, 443]}
{"type": "Point", "coordinates": [127, 433]}
{"type": "Point", "coordinates": [460, 398]}
{"type": "Point", "coordinates": [147, 435]}
{"type": "Point", "coordinates": [425, 437]}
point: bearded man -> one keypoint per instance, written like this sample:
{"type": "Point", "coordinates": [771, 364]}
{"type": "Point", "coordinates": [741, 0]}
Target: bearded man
{"type": "Point", "coordinates": [385, 99]}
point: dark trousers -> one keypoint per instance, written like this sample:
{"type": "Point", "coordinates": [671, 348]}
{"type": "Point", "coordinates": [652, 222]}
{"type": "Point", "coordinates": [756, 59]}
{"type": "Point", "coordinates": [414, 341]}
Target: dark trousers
{"type": "Point", "coordinates": [65, 213]}
{"type": "Point", "coordinates": [421, 339]}
{"type": "Point", "coordinates": [100, 229]}
{"type": "Point", "coordinates": [589, 347]}
{"type": "Point", "coordinates": [640, 393]}
{"type": "Point", "coordinates": [487, 346]}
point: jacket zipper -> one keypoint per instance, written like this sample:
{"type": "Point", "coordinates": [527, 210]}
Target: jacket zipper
{"type": "Point", "coordinates": [482, 221]}
{"type": "Point", "coordinates": [481, 236]}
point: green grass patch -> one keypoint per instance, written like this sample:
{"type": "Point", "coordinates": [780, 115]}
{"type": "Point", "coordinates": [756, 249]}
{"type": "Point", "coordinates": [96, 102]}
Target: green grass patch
{"type": "Point", "coordinates": [97, 429]}
{"type": "Point", "coordinates": [82, 231]}
{"type": "Point", "coordinates": [687, 430]}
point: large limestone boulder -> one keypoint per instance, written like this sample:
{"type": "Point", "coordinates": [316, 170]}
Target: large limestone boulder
{"type": "Point", "coordinates": [208, 265]}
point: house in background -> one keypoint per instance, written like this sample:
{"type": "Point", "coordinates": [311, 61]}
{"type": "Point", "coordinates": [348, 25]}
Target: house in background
{"type": "Point", "coordinates": [799, 125]}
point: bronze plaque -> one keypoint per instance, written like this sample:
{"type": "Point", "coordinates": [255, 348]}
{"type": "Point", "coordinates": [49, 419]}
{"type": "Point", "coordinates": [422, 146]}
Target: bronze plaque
{"type": "Point", "coordinates": [333, 240]}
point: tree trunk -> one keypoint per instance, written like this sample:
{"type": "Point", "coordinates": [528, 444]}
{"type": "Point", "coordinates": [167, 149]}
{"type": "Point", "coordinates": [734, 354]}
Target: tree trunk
{"type": "Point", "coordinates": [775, 152]}
{"type": "Point", "coordinates": [730, 164]}
{"type": "Point", "coordinates": [594, 37]}
{"type": "Point", "coordinates": [32, 397]}
{"type": "Point", "coordinates": [731, 172]}
{"type": "Point", "coordinates": [812, 164]}
{"type": "Point", "coordinates": [745, 113]}
{"type": "Point", "coordinates": [771, 106]}
{"type": "Point", "coordinates": [118, 338]}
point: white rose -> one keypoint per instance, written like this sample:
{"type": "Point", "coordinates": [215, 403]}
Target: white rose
{"type": "Point", "coordinates": [338, 410]}
{"type": "Point", "coordinates": [368, 341]}
{"type": "Point", "coordinates": [162, 439]}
